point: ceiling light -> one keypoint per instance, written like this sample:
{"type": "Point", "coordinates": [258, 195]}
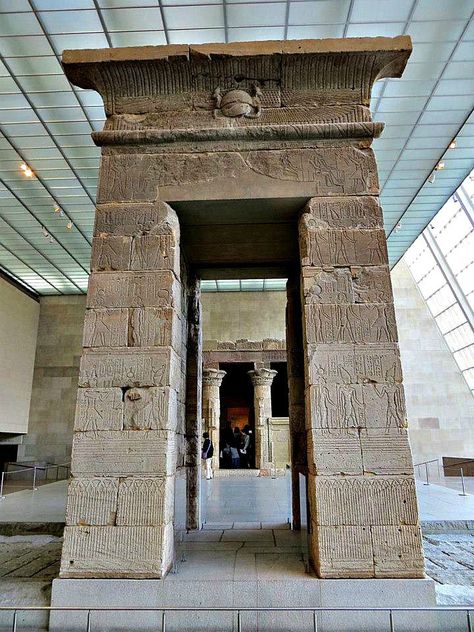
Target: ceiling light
{"type": "Point", "coordinates": [27, 171]}
{"type": "Point", "coordinates": [432, 177]}
{"type": "Point", "coordinates": [57, 209]}
{"type": "Point", "coordinates": [44, 231]}
{"type": "Point", "coordinates": [452, 144]}
{"type": "Point", "coordinates": [397, 227]}
{"type": "Point", "coordinates": [69, 225]}
{"type": "Point", "coordinates": [439, 166]}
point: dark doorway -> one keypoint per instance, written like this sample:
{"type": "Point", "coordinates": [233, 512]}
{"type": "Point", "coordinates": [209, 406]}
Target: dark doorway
{"type": "Point", "coordinates": [237, 410]}
{"type": "Point", "coordinates": [280, 390]}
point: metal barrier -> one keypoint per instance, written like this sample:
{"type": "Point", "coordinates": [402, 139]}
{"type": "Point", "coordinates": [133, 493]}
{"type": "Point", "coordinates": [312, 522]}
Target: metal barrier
{"type": "Point", "coordinates": [239, 611]}
{"type": "Point", "coordinates": [427, 477]}
{"type": "Point", "coordinates": [34, 469]}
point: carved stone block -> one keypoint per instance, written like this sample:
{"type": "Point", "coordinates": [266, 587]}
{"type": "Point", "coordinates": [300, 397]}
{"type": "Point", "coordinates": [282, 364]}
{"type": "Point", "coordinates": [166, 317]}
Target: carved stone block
{"type": "Point", "coordinates": [397, 551]}
{"type": "Point", "coordinates": [386, 451]}
{"type": "Point", "coordinates": [325, 247]}
{"type": "Point", "coordinates": [145, 501]}
{"type": "Point", "coordinates": [131, 220]}
{"type": "Point", "coordinates": [155, 252]}
{"type": "Point", "coordinates": [106, 328]}
{"type": "Point", "coordinates": [335, 452]}
{"type": "Point", "coordinates": [363, 500]}
{"type": "Point", "coordinates": [371, 284]}
{"type": "Point", "coordinates": [153, 327]}
{"type": "Point", "coordinates": [345, 212]}
{"type": "Point", "coordinates": [327, 286]}
{"type": "Point", "coordinates": [154, 408]}
{"type": "Point", "coordinates": [99, 409]}
{"type": "Point", "coordinates": [134, 552]}
{"type": "Point", "coordinates": [126, 453]}
{"type": "Point", "coordinates": [384, 406]}
{"type": "Point", "coordinates": [134, 289]}
{"type": "Point", "coordinates": [344, 551]}
{"type": "Point", "coordinates": [351, 364]}
{"type": "Point", "coordinates": [335, 406]}
{"type": "Point", "coordinates": [92, 501]}
{"type": "Point", "coordinates": [110, 253]}
{"type": "Point", "coordinates": [350, 323]}
{"type": "Point", "coordinates": [107, 367]}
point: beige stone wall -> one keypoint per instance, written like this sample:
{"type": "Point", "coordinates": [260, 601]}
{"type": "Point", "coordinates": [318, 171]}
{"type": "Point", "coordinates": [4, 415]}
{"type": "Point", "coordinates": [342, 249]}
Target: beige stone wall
{"type": "Point", "coordinates": [237, 315]}
{"type": "Point", "coordinates": [55, 379]}
{"type": "Point", "coordinates": [18, 328]}
{"type": "Point", "coordinates": [440, 406]}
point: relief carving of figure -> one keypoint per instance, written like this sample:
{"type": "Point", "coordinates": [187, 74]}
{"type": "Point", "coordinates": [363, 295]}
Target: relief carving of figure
{"type": "Point", "coordinates": [238, 103]}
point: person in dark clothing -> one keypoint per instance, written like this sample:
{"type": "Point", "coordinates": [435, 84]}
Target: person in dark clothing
{"type": "Point", "coordinates": [235, 447]}
{"type": "Point", "coordinates": [245, 449]}
{"type": "Point", "coordinates": [207, 454]}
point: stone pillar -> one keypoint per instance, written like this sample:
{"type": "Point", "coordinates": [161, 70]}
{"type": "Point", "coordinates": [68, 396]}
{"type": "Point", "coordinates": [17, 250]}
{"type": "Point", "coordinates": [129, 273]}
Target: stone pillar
{"type": "Point", "coordinates": [119, 518]}
{"type": "Point", "coordinates": [194, 406]}
{"type": "Point", "coordinates": [262, 397]}
{"type": "Point", "coordinates": [295, 362]}
{"type": "Point", "coordinates": [360, 480]}
{"type": "Point", "coordinates": [211, 408]}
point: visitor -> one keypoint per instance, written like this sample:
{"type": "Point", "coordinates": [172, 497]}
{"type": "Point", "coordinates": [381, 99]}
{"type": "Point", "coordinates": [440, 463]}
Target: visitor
{"type": "Point", "coordinates": [235, 448]}
{"type": "Point", "coordinates": [207, 453]}
{"type": "Point", "coordinates": [245, 449]}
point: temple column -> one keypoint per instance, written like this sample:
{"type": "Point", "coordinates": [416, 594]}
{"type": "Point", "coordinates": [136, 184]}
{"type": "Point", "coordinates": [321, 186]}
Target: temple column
{"type": "Point", "coordinates": [295, 362]}
{"type": "Point", "coordinates": [211, 408]}
{"type": "Point", "coordinates": [262, 381]}
{"type": "Point", "coordinates": [129, 418]}
{"type": "Point", "coordinates": [361, 488]}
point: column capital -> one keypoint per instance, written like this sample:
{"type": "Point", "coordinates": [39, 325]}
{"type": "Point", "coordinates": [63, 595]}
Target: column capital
{"type": "Point", "coordinates": [212, 377]}
{"type": "Point", "coordinates": [262, 377]}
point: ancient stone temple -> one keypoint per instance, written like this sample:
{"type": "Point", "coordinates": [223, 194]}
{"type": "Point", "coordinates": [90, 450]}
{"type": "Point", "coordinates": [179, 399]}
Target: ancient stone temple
{"type": "Point", "coordinates": [234, 161]}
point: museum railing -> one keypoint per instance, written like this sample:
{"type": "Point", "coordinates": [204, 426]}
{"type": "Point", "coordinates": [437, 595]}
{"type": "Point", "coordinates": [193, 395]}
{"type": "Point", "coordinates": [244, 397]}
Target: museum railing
{"type": "Point", "coordinates": [425, 469]}
{"type": "Point", "coordinates": [29, 476]}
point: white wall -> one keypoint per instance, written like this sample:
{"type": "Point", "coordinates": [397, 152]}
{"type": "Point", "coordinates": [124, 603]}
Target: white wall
{"type": "Point", "coordinates": [18, 330]}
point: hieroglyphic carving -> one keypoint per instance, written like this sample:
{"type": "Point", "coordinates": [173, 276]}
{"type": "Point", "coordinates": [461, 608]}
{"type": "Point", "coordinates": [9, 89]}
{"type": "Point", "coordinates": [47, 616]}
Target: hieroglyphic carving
{"type": "Point", "coordinates": [106, 328]}
{"type": "Point", "coordinates": [110, 253]}
{"type": "Point", "coordinates": [327, 286]}
{"type": "Point", "coordinates": [153, 408]}
{"type": "Point", "coordinates": [334, 452]}
{"type": "Point", "coordinates": [151, 327]}
{"type": "Point", "coordinates": [372, 284]}
{"type": "Point", "coordinates": [106, 367]}
{"type": "Point", "coordinates": [353, 364]}
{"type": "Point", "coordinates": [139, 552]}
{"type": "Point", "coordinates": [136, 219]}
{"type": "Point", "coordinates": [350, 323]}
{"type": "Point", "coordinates": [154, 252]}
{"type": "Point", "coordinates": [398, 551]}
{"type": "Point", "coordinates": [344, 551]}
{"type": "Point", "coordinates": [384, 406]}
{"type": "Point", "coordinates": [341, 247]}
{"type": "Point", "coordinates": [133, 289]}
{"type": "Point", "coordinates": [126, 453]}
{"type": "Point", "coordinates": [99, 409]}
{"type": "Point", "coordinates": [344, 212]}
{"type": "Point", "coordinates": [386, 451]}
{"type": "Point", "coordinates": [362, 500]}
{"type": "Point", "coordinates": [92, 501]}
{"type": "Point", "coordinates": [145, 501]}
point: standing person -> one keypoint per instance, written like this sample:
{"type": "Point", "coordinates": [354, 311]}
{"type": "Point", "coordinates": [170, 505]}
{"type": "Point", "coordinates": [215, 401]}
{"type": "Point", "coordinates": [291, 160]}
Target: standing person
{"type": "Point", "coordinates": [235, 448]}
{"type": "Point", "coordinates": [244, 451]}
{"type": "Point", "coordinates": [207, 454]}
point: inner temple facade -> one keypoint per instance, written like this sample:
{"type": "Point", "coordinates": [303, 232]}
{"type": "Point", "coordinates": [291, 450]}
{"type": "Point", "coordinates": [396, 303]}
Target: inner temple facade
{"type": "Point", "coordinates": [239, 161]}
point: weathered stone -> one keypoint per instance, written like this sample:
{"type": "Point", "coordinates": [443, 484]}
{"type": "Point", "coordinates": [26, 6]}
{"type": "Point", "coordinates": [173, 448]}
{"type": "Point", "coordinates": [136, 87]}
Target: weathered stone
{"type": "Point", "coordinates": [262, 381]}
{"type": "Point", "coordinates": [155, 252]}
{"type": "Point", "coordinates": [145, 501]}
{"type": "Point", "coordinates": [386, 451]}
{"type": "Point", "coordinates": [344, 212]}
{"type": "Point", "coordinates": [397, 551]}
{"type": "Point", "coordinates": [133, 289]}
{"type": "Point", "coordinates": [334, 452]}
{"type": "Point", "coordinates": [371, 284]}
{"type": "Point", "coordinates": [106, 328]}
{"type": "Point", "coordinates": [110, 253]}
{"type": "Point", "coordinates": [327, 285]}
{"type": "Point", "coordinates": [328, 247]}
{"type": "Point", "coordinates": [107, 367]}
{"type": "Point", "coordinates": [343, 551]}
{"type": "Point", "coordinates": [384, 406]}
{"type": "Point", "coordinates": [132, 220]}
{"type": "Point", "coordinates": [125, 551]}
{"type": "Point", "coordinates": [99, 409]}
{"type": "Point", "coordinates": [154, 408]}
{"type": "Point", "coordinates": [351, 364]}
{"type": "Point", "coordinates": [126, 453]}
{"type": "Point", "coordinates": [92, 501]}
{"type": "Point", "coordinates": [211, 408]}
{"type": "Point", "coordinates": [350, 323]}
{"type": "Point", "coordinates": [155, 327]}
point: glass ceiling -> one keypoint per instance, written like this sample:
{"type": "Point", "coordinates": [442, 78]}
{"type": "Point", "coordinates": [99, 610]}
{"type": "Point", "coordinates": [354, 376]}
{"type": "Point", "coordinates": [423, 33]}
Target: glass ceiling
{"type": "Point", "coordinates": [46, 123]}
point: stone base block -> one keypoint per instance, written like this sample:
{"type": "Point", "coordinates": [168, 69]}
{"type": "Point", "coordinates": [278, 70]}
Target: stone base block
{"type": "Point", "coordinates": [289, 592]}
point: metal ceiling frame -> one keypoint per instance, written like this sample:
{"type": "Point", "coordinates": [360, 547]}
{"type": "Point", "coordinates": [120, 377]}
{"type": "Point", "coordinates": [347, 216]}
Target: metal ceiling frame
{"type": "Point", "coordinates": [20, 285]}
{"type": "Point", "coordinates": [28, 265]}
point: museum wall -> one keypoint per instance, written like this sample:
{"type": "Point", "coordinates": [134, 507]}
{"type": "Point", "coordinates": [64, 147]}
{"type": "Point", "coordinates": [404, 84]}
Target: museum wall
{"type": "Point", "coordinates": [18, 328]}
{"type": "Point", "coordinates": [440, 405]}
{"type": "Point", "coordinates": [55, 379]}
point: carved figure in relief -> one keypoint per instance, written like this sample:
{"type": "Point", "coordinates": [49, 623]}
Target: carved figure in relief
{"type": "Point", "coordinates": [373, 247]}
{"type": "Point", "coordinates": [394, 406]}
{"type": "Point", "coordinates": [325, 404]}
{"type": "Point", "coordinates": [238, 103]}
{"type": "Point", "coordinates": [350, 407]}
{"type": "Point", "coordinates": [101, 332]}
{"type": "Point", "coordinates": [109, 256]}
{"type": "Point", "coordinates": [381, 326]}
{"type": "Point", "coordinates": [96, 403]}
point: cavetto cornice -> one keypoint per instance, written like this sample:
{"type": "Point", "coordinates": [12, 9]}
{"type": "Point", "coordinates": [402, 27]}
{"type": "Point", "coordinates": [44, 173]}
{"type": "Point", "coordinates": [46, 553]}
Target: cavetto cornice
{"type": "Point", "coordinates": [296, 89]}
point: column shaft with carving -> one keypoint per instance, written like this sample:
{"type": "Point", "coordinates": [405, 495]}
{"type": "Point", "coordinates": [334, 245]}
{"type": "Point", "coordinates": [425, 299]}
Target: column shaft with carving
{"type": "Point", "coordinates": [262, 383]}
{"type": "Point", "coordinates": [119, 520]}
{"type": "Point", "coordinates": [361, 485]}
{"type": "Point", "coordinates": [211, 408]}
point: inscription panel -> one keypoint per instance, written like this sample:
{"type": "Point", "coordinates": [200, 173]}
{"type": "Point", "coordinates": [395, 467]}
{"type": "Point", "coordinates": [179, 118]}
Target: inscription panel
{"type": "Point", "coordinates": [350, 323]}
{"type": "Point", "coordinates": [131, 220]}
{"type": "Point", "coordinates": [155, 252]}
{"type": "Point", "coordinates": [344, 212]}
{"type": "Point", "coordinates": [327, 286]}
{"type": "Point", "coordinates": [110, 253]}
{"type": "Point", "coordinates": [99, 409]}
{"type": "Point", "coordinates": [152, 327]}
{"type": "Point", "coordinates": [134, 289]}
{"type": "Point", "coordinates": [105, 328]}
{"type": "Point", "coordinates": [154, 408]}
{"type": "Point", "coordinates": [341, 247]}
